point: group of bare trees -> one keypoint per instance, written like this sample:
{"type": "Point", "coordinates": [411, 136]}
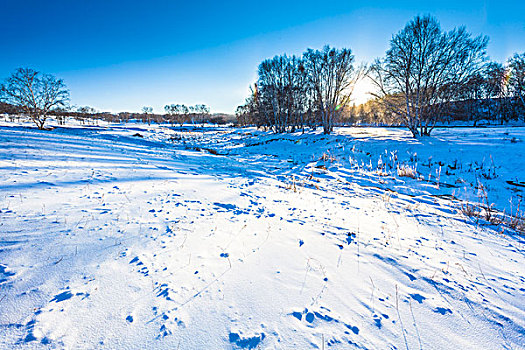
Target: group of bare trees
{"type": "Point", "coordinates": [174, 114]}
{"type": "Point", "coordinates": [496, 93]}
{"type": "Point", "coordinates": [293, 92]}
{"type": "Point", "coordinates": [179, 113]}
{"type": "Point", "coordinates": [427, 76]}
{"type": "Point", "coordinates": [424, 70]}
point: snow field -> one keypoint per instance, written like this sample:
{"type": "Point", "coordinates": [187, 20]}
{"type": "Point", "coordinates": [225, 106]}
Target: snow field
{"type": "Point", "coordinates": [113, 241]}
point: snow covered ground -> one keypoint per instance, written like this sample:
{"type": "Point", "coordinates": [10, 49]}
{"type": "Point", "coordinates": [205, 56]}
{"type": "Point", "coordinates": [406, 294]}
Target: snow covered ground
{"type": "Point", "coordinates": [134, 237]}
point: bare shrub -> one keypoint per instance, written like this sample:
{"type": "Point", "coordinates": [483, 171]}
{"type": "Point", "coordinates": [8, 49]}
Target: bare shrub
{"type": "Point", "coordinates": [470, 210]}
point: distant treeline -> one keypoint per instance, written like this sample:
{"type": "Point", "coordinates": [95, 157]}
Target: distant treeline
{"type": "Point", "coordinates": [495, 110]}
{"type": "Point", "coordinates": [38, 96]}
{"type": "Point", "coordinates": [175, 114]}
{"type": "Point", "coordinates": [427, 76]}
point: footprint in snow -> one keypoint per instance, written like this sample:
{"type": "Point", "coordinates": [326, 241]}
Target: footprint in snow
{"type": "Point", "coordinates": [240, 342]}
{"type": "Point", "coordinates": [418, 297]}
{"type": "Point", "coordinates": [168, 325]}
{"type": "Point", "coordinates": [350, 237]}
{"type": "Point", "coordinates": [62, 296]}
{"type": "Point", "coordinates": [143, 269]}
{"type": "Point", "coordinates": [5, 273]}
{"type": "Point", "coordinates": [312, 318]}
{"type": "Point", "coordinates": [442, 310]}
{"type": "Point", "coordinates": [67, 295]}
{"type": "Point", "coordinates": [30, 325]}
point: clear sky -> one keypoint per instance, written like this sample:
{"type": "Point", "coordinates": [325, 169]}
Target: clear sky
{"type": "Point", "coordinates": [122, 55]}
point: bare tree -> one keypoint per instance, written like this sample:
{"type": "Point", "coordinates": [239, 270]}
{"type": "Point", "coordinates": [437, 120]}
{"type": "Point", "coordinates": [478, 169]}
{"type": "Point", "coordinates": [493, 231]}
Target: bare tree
{"type": "Point", "coordinates": [424, 70]}
{"type": "Point", "coordinates": [177, 113]}
{"type": "Point", "coordinates": [147, 111]}
{"type": "Point", "coordinates": [85, 113]}
{"type": "Point", "coordinates": [332, 76]}
{"type": "Point", "coordinates": [34, 93]}
{"type": "Point", "coordinates": [495, 91]}
{"type": "Point", "coordinates": [192, 114]}
{"type": "Point", "coordinates": [280, 91]}
{"type": "Point", "coordinates": [202, 112]}
{"type": "Point", "coordinates": [517, 81]}
{"type": "Point", "coordinates": [248, 113]}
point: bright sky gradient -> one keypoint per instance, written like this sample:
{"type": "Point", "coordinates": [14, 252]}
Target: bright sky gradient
{"type": "Point", "coordinates": [122, 55]}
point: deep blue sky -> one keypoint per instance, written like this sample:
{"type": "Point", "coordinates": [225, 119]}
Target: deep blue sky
{"type": "Point", "coordinates": [122, 55]}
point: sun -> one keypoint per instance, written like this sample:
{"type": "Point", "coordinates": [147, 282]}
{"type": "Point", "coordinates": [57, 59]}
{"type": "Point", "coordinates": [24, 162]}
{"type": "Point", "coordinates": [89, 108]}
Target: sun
{"type": "Point", "coordinates": [362, 90]}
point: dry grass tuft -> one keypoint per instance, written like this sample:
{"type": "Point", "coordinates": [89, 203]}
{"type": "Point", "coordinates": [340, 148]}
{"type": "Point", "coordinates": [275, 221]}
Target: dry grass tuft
{"type": "Point", "coordinates": [328, 157]}
{"type": "Point", "coordinates": [487, 213]}
{"type": "Point", "coordinates": [469, 210]}
{"type": "Point", "coordinates": [407, 171]}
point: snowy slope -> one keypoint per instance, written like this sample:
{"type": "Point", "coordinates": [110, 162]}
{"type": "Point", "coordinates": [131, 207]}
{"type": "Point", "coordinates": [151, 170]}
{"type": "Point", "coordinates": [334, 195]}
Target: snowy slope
{"type": "Point", "coordinates": [109, 240]}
